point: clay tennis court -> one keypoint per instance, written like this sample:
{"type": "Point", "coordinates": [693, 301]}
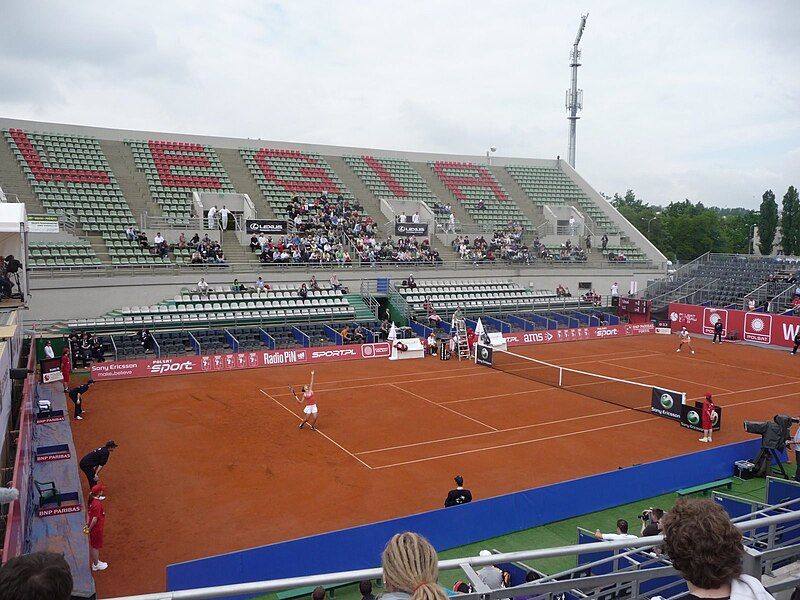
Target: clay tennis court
{"type": "Point", "coordinates": [215, 462]}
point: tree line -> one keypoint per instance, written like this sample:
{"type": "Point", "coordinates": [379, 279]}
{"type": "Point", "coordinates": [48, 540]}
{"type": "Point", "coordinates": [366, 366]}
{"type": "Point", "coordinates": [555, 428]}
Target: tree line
{"type": "Point", "coordinates": [685, 230]}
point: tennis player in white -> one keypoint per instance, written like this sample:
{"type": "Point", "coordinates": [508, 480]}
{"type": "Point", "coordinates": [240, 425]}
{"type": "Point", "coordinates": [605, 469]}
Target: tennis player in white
{"type": "Point", "coordinates": [685, 338]}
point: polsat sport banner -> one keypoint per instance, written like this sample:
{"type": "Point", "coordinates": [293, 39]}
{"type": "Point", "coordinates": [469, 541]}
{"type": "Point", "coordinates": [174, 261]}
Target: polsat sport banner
{"type": "Point", "coordinates": [762, 328]}
{"type": "Point", "coordinates": [181, 365]}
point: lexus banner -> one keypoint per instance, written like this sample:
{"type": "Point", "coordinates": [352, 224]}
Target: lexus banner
{"type": "Point", "coordinates": [266, 226]}
{"type": "Point", "coordinates": [411, 229]}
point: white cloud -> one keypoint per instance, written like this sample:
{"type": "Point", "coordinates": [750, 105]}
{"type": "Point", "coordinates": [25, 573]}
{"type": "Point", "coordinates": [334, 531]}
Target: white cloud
{"type": "Point", "coordinates": [682, 99]}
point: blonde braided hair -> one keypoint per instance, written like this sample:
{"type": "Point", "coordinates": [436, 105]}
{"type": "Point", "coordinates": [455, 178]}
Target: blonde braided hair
{"type": "Point", "coordinates": [410, 565]}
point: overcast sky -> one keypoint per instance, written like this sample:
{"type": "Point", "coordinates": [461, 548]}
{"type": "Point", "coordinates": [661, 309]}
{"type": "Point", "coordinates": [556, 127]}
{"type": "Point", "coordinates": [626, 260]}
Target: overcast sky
{"type": "Point", "coordinates": [691, 99]}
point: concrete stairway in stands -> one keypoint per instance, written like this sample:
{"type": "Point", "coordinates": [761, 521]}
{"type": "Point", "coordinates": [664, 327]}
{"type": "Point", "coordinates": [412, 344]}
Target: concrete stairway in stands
{"type": "Point", "coordinates": [131, 181]}
{"type": "Point", "coordinates": [363, 313]}
{"type": "Point", "coordinates": [13, 181]}
{"type": "Point", "coordinates": [370, 202]}
{"type": "Point", "coordinates": [534, 213]}
{"type": "Point", "coordinates": [243, 181]}
{"type": "Point", "coordinates": [443, 194]}
{"type": "Point", "coordinates": [234, 251]}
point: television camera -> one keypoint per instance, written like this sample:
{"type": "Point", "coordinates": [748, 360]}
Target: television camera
{"type": "Point", "coordinates": [774, 435]}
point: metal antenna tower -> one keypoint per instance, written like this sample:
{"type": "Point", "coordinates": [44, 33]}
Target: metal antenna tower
{"type": "Point", "coordinates": [574, 101]}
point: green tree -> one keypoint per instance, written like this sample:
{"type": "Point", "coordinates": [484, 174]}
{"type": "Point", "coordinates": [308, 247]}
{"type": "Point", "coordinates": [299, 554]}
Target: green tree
{"type": "Point", "coordinates": [767, 222]}
{"type": "Point", "coordinates": [790, 223]}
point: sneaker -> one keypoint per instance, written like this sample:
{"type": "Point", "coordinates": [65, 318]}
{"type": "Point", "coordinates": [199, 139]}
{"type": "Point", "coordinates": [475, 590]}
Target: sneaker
{"type": "Point", "coordinates": [80, 418]}
{"type": "Point", "coordinates": [692, 351]}
{"type": "Point", "coordinates": [678, 350]}
{"type": "Point", "coordinates": [301, 425]}
{"type": "Point", "coordinates": [702, 439]}
{"type": "Point", "coordinates": [100, 566]}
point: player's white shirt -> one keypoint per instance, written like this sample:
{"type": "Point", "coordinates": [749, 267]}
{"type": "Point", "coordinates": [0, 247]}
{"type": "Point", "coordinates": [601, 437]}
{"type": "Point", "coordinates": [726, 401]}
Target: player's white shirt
{"type": "Point", "coordinates": [684, 335]}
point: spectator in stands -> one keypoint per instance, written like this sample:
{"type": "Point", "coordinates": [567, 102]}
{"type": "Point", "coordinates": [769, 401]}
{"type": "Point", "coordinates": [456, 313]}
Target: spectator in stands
{"type": "Point", "coordinates": [402, 218]}
{"type": "Point", "coordinates": [345, 333]}
{"type": "Point", "coordinates": [706, 548]}
{"type": "Point", "coordinates": [95, 524]}
{"type": "Point", "coordinates": [459, 495]}
{"type": "Point", "coordinates": [651, 522]}
{"type": "Point", "coordinates": [319, 593]}
{"type": "Point", "coordinates": [621, 534]}
{"type": "Point", "coordinates": [481, 205]}
{"type": "Point", "coordinates": [385, 327]}
{"type": "Point", "coordinates": [410, 283]}
{"type": "Point", "coordinates": [312, 284]}
{"type": "Point", "coordinates": [410, 569]}
{"type": "Point", "coordinates": [237, 286]}
{"type": "Point", "coordinates": [603, 242]}
{"type": "Point", "coordinates": [48, 350]}
{"type": "Point", "coordinates": [146, 340]}
{"type": "Point", "coordinates": [614, 294]}
{"type": "Point", "coordinates": [141, 239]}
{"type": "Point", "coordinates": [415, 217]}
{"type": "Point", "coordinates": [202, 287]}
{"type": "Point", "coordinates": [162, 248]}
{"type": "Point", "coordinates": [98, 352]}
{"type": "Point", "coordinates": [195, 240]}
{"type": "Point", "coordinates": [260, 284]}
{"type": "Point", "coordinates": [365, 589]}
{"type": "Point", "coordinates": [76, 395]}
{"type": "Point", "coordinates": [303, 291]}
{"type": "Point", "coordinates": [36, 576]}
{"type": "Point", "coordinates": [196, 258]}
{"type": "Point", "coordinates": [94, 461]}
{"type": "Point", "coordinates": [254, 244]}
{"type": "Point", "coordinates": [130, 232]}
{"type": "Point", "coordinates": [490, 575]}
{"type": "Point", "coordinates": [181, 241]}
{"type": "Point", "coordinates": [86, 349]}
{"type": "Point", "coordinates": [431, 342]}
{"type": "Point", "coordinates": [334, 281]}
{"type": "Point", "coordinates": [572, 229]}
{"type": "Point", "coordinates": [212, 217]}
{"type": "Point", "coordinates": [588, 243]}
{"type": "Point", "coordinates": [451, 223]}
{"type": "Point", "coordinates": [560, 291]}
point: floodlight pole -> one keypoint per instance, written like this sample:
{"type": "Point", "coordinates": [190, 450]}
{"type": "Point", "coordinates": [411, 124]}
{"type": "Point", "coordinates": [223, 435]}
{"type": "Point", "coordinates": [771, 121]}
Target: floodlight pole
{"type": "Point", "coordinates": [574, 101]}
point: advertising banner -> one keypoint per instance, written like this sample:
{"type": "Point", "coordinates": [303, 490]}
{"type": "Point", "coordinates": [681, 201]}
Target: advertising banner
{"type": "Point", "coordinates": [762, 328]}
{"type": "Point", "coordinates": [519, 338]}
{"type": "Point", "coordinates": [266, 226]}
{"type": "Point", "coordinates": [43, 224]}
{"type": "Point", "coordinates": [690, 417]}
{"type": "Point", "coordinates": [483, 355]}
{"type": "Point", "coordinates": [155, 367]}
{"type": "Point", "coordinates": [412, 229]}
{"type": "Point", "coordinates": [666, 403]}
{"type": "Point", "coordinates": [51, 370]}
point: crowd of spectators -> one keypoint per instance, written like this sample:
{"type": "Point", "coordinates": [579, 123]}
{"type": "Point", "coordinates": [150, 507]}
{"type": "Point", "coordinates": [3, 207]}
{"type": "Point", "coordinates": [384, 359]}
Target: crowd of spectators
{"type": "Point", "coordinates": [205, 251]}
{"type": "Point", "coordinates": [85, 348]}
{"type": "Point", "coordinates": [505, 244]}
{"type": "Point", "coordinates": [401, 250]}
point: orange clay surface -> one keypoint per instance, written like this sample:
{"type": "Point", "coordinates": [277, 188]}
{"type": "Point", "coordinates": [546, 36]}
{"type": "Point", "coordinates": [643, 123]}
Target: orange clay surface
{"type": "Point", "coordinates": [211, 463]}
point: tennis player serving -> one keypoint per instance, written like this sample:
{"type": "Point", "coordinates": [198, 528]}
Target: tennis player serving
{"type": "Point", "coordinates": [310, 408]}
{"type": "Point", "coordinates": [685, 338]}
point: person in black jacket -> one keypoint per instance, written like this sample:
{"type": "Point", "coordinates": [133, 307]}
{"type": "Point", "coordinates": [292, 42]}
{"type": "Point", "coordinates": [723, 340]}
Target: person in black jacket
{"type": "Point", "coordinates": [796, 343]}
{"type": "Point", "coordinates": [458, 495]}
{"type": "Point", "coordinates": [717, 332]}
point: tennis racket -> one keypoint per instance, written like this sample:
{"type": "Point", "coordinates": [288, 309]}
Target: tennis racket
{"type": "Point", "coordinates": [291, 389]}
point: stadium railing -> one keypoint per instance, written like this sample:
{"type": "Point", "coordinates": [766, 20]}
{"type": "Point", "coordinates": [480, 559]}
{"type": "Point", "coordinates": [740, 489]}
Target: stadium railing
{"type": "Point", "coordinates": [593, 586]}
{"type": "Point", "coordinates": [21, 510]}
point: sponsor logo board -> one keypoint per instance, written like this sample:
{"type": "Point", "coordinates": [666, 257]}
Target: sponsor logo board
{"type": "Point", "coordinates": [58, 510]}
{"type": "Point", "coordinates": [411, 229]}
{"type": "Point", "coordinates": [266, 226]}
{"type": "Point", "coordinates": [53, 456]}
{"type": "Point", "coordinates": [758, 328]}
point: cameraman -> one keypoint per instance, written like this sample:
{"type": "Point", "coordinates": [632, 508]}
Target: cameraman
{"type": "Point", "coordinates": [651, 521]}
{"type": "Point", "coordinates": [794, 443]}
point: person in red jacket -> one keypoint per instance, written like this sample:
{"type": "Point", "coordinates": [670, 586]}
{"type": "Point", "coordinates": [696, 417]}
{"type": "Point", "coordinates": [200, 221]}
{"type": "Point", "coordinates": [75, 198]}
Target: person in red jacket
{"type": "Point", "coordinates": [96, 521]}
{"type": "Point", "coordinates": [66, 367]}
{"type": "Point", "coordinates": [707, 417]}
{"type": "Point", "coordinates": [472, 337]}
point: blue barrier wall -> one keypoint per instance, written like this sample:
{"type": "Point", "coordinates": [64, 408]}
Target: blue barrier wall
{"type": "Point", "coordinates": [360, 547]}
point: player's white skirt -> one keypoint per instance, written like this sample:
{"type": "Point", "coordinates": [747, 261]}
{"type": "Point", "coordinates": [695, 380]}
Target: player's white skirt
{"type": "Point", "coordinates": [311, 409]}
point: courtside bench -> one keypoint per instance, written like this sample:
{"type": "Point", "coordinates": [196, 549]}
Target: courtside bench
{"type": "Point", "coordinates": [705, 487]}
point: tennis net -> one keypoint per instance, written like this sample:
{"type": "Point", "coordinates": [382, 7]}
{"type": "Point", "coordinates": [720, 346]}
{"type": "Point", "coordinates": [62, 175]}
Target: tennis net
{"type": "Point", "coordinates": [620, 392]}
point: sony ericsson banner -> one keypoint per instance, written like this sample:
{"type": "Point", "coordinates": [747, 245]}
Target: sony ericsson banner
{"type": "Point", "coordinates": [414, 229]}
{"type": "Point", "coordinates": [483, 355]}
{"type": "Point", "coordinates": [666, 403]}
{"type": "Point", "coordinates": [267, 226]}
{"type": "Point", "coordinates": [691, 417]}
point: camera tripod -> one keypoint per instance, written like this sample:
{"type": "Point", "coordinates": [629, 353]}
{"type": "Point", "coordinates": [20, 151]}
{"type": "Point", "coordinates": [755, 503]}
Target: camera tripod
{"type": "Point", "coordinates": [765, 456]}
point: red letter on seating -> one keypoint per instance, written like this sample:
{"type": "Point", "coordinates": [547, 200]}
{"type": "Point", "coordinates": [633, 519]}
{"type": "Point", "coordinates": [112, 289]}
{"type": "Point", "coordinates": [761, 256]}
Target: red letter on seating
{"type": "Point", "coordinates": [317, 180]}
{"type": "Point", "coordinates": [170, 154]}
{"type": "Point", "coordinates": [473, 176]}
{"type": "Point", "coordinates": [394, 186]}
{"type": "Point", "coordinates": [42, 173]}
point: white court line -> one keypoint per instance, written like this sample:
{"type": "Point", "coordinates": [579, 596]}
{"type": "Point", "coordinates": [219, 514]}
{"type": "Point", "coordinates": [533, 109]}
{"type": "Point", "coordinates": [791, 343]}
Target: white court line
{"type": "Point", "coordinates": [330, 439]}
{"type": "Point", "coordinates": [609, 363]}
{"type": "Point", "coordinates": [455, 412]}
{"type": "Point", "coordinates": [740, 367]}
{"type": "Point", "coordinates": [764, 387]}
{"type": "Point", "coordinates": [549, 437]}
{"type": "Point", "coordinates": [510, 429]}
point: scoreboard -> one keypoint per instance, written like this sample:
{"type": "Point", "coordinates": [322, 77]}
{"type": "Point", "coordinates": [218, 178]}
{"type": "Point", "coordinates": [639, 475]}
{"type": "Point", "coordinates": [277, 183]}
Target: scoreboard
{"type": "Point", "coordinates": [637, 306]}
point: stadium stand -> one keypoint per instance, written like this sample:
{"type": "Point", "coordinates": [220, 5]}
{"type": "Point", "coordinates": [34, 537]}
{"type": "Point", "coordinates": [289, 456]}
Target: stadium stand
{"type": "Point", "coordinates": [479, 193]}
{"type": "Point", "coordinates": [174, 170]}
{"type": "Point", "coordinates": [546, 186]}
{"type": "Point", "coordinates": [283, 174]}
{"type": "Point", "coordinates": [62, 254]}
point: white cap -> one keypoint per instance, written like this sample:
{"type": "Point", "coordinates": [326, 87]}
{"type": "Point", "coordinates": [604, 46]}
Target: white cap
{"type": "Point", "coordinates": [485, 553]}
